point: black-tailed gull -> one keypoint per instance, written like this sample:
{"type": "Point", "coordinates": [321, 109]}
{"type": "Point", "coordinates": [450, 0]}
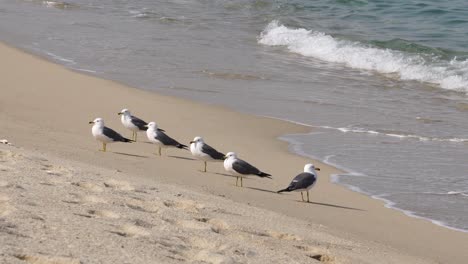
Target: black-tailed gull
{"type": "Point", "coordinates": [105, 134]}
{"type": "Point", "coordinates": [158, 136]}
{"type": "Point", "coordinates": [303, 182]}
{"type": "Point", "coordinates": [132, 123]}
{"type": "Point", "coordinates": [240, 168]}
{"type": "Point", "coordinates": [204, 152]}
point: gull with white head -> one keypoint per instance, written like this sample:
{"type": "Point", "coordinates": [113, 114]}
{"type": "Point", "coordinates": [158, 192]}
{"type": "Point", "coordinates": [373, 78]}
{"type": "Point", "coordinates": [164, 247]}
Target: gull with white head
{"type": "Point", "coordinates": [158, 137]}
{"type": "Point", "coordinates": [240, 168]}
{"type": "Point", "coordinates": [105, 134]}
{"type": "Point", "coordinates": [303, 182]}
{"type": "Point", "coordinates": [204, 152]}
{"type": "Point", "coordinates": [132, 123]}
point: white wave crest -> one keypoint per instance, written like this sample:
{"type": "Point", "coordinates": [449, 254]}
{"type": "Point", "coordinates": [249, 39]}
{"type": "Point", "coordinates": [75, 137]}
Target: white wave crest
{"type": "Point", "coordinates": [462, 193]}
{"type": "Point", "coordinates": [452, 75]}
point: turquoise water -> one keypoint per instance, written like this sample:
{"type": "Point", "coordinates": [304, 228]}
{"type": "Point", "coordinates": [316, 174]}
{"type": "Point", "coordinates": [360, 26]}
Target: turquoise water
{"type": "Point", "coordinates": [432, 27]}
{"type": "Point", "coordinates": [383, 83]}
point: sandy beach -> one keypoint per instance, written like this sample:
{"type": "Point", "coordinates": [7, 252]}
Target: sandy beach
{"type": "Point", "coordinates": [63, 201]}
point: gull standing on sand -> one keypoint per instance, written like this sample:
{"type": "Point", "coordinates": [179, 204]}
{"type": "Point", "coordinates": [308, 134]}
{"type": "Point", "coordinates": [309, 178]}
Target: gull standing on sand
{"type": "Point", "coordinates": [303, 182]}
{"type": "Point", "coordinates": [158, 136]}
{"type": "Point", "coordinates": [105, 134]}
{"type": "Point", "coordinates": [133, 123]}
{"type": "Point", "coordinates": [204, 152]}
{"type": "Point", "coordinates": [241, 169]}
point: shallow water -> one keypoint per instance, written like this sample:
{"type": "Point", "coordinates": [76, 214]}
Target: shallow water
{"type": "Point", "coordinates": [384, 83]}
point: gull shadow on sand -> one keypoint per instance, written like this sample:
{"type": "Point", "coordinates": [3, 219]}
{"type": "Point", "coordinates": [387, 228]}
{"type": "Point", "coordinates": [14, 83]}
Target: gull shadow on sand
{"type": "Point", "coordinates": [131, 155]}
{"type": "Point", "coordinates": [331, 205]}
{"type": "Point", "coordinates": [225, 175]}
{"type": "Point", "coordinates": [262, 190]}
{"type": "Point", "coordinates": [180, 157]}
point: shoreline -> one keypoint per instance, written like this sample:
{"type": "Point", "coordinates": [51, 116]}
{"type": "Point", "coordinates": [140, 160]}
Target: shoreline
{"type": "Point", "coordinates": [295, 148]}
{"type": "Point", "coordinates": [54, 58]}
{"type": "Point", "coordinates": [23, 110]}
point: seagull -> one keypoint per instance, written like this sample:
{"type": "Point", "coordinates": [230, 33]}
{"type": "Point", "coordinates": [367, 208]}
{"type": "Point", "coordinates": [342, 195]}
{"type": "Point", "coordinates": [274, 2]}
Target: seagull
{"type": "Point", "coordinates": [158, 136]}
{"type": "Point", "coordinates": [133, 123]}
{"type": "Point", "coordinates": [105, 134]}
{"type": "Point", "coordinates": [304, 181]}
{"type": "Point", "coordinates": [204, 152]}
{"type": "Point", "coordinates": [240, 168]}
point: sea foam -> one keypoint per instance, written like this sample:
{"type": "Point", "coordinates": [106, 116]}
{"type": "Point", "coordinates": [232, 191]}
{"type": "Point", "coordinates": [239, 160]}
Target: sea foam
{"type": "Point", "coordinates": [452, 75]}
{"type": "Point", "coordinates": [394, 134]}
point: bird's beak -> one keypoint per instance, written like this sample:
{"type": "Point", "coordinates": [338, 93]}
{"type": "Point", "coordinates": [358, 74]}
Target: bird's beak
{"type": "Point", "coordinates": [317, 169]}
{"type": "Point", "coordinates": [146, 126]}
{"type": "Point", "coordinates": [225, 157]}
{"type": "Point", "coordinates": [119, 113]}
{"type": "Point", "coordinates": [91, 122]}
{"type": "Point", "coordinates": [192, 142]}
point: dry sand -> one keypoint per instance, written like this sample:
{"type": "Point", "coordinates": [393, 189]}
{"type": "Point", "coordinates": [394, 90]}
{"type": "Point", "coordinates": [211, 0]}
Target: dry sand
{"type": "Point", "coordinates": [62, 201]}
{"type": "Point", "coordinates": [56, 211]}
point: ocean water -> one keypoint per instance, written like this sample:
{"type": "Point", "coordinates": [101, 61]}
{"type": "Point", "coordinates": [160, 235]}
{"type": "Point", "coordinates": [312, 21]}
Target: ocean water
{"type": "Point", "coordinates": [383, 84]}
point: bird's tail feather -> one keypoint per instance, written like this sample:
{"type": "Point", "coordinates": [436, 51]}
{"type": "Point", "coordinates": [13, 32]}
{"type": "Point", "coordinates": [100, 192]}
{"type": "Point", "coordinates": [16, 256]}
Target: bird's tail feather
{"type": "Point", "coordinates": [263, 174]}
{"type": "Point", "coordinates": [182, 146]}
{"type": "Point", "coordinates": [126, 140]}
{"type": "Point", "coordinates": [219, 156]}
{"type": "Point", "coordinates": [284, 190]}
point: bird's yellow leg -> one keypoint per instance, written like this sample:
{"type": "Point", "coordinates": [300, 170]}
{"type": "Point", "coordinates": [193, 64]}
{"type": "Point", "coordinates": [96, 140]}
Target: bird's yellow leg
{"type": "Point", "coordinates": [103, 147]}
{"type": "Point", "coordinates": [302, 196]}
{"type": "Point", "coordinates": [205, 167]}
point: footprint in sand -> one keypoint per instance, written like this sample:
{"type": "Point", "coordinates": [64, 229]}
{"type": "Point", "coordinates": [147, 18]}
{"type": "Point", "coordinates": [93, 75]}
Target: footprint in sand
{"type": "Point", "coordinates": [118, 185]}
{"type": "Point", "coordinates": [323, 258]}
{"type": "Point", "coordinates": [223, 211]}
{"type": "Point", "coordinates": [283, 236]}
{"type": "Point", "coordinates": [143, 206]}
{"type": "Point", "coordinates": [207, 256]}
{"type": "Point", "coordinates": [55, 170]}
{"type": "Point", "coordinates": [207, 251]}
{"type": "Point", "coordinates": [217, 225]}
{"type": "Point", "coordinates": [185, 205]}
{"type": "Point", "coordinates": [316, 253]}
{"type": "Point", "coordinates": [89, 186]}
{"type": "Point", "coordinates": [43, 259]}
{"type": "Point", "coordinates": [84, 199]}
{"type": "Point", "coordinates": [143, 223]}
{"type": "Point", "coordinates": [191, 224]}
{"type": "Point", "coordinates": [272, 234]}
{"type": "Point", "coordinates": [175, 246]}
{"type": "Point", "coordinates": [53, 182]}
{"type": "Point", "coordinates": [9, 228]}
{"type": "Point", "coordinates": [104, 214]}
{"type": "Point", "coordinates": [4, 168]}
{"type": "Point", "coordinates": [131, 230]}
